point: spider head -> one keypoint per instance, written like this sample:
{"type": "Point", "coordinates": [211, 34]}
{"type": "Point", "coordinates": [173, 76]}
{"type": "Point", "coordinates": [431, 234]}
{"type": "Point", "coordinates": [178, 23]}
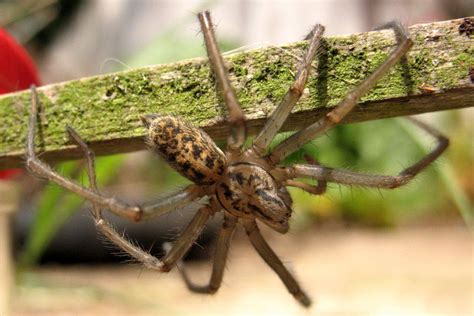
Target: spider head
{"type": "Point", "coordinates": [247, 190]}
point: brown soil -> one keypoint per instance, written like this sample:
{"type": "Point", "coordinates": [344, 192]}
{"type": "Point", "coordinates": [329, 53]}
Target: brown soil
{"type": "Point", "coordinates": [407, 271]}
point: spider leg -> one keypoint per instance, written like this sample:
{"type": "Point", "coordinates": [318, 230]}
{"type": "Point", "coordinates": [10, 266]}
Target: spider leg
{"type": "Point", "coordinates": [181, 246]}
{"type": "Point", "coordinates": [236, 117]}
{"type": "Point", "coordinates": [274, 262]}
{"type": "Point", "coordinates": [379, 181]}
{"type": "Point", "coordinates": [171, 202]}
{"type": "Point", "coordinates": [318, 189]}
{"type": "Point", "coordinates": [332, 118]}
{"type": "Point", "coordinates": [280, 114]}
{"type": "Point", "coordinates": [187, 237]}
{"type": "Point", "coordinates": [178, 250]}
{"type": "Point", "coordinates": [135, 213]}
{"type": "Point", "coordinates": [220, 258]}
{"type": "Point", "coordinates": [102, 225]}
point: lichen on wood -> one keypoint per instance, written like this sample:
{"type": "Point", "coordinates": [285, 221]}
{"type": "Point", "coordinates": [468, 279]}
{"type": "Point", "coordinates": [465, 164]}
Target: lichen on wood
{"type": "Point", "coordinates": [105, 109]}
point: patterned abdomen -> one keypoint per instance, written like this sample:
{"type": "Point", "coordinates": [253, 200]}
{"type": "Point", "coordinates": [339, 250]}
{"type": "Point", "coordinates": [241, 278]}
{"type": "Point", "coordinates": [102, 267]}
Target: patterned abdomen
{"type": "Point", "coordinates": [188, 149]}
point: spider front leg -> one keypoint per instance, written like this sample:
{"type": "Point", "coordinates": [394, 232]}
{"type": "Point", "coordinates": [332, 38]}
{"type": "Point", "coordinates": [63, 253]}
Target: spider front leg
{"type": "Point", "coordinates": [236, 118]}
{"type": "Point", "coordinates": [135, 213]}
{"type": "Point", "coordinates": [220, 258]}
{"type": "Point", "coordinates": [280, 114]}
{"type": "Point", "coordinates": [274, 262]}
{"type": "Point", "coordinates": [377, 181]}
{"type": "Point", "coordinates": [180, 247]}
{"type": "Point", "coordinates": [318, 189]}
{"type": "Point", "coordinates": [332, 118]}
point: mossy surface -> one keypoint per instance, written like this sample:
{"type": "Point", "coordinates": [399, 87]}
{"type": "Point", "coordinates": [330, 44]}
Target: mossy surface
{"type": "Point", "coordinates": [108, 107]}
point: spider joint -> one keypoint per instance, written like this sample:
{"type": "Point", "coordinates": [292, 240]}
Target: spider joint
{"type": "Point", "coordinates": [163, 267]}
{"type": "Point", "coordinates": [296, 90]}
{"type": "Point", "coordinates": [138, 214]}
{"type": "Point", "coordinates": [212, 289]}
{"type": "Point", "coordinates": [334, 118]}
{"type": "Point", "coordinates": [257, 149]}
{"type": "Point", "coordinates": [400, 180]}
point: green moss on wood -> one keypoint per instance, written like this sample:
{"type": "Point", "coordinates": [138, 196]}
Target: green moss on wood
{"type": "Point", "coordinates": [106, 108]}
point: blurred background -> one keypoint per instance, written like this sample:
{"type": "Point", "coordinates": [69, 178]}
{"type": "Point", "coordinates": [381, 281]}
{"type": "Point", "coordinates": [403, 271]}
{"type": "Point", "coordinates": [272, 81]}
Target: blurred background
{"type": "Point", "coordinates": [357, 251]}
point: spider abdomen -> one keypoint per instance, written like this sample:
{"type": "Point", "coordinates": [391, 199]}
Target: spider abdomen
{"type": "Point", "coordinates": [188, 149]}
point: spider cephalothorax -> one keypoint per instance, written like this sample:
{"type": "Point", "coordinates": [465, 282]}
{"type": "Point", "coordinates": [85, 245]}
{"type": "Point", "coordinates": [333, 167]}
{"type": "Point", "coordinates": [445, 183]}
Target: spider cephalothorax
{"type": "Point", "coordinates": [246, 184]}
{"type": "Point", "coordinates": [247, 191]}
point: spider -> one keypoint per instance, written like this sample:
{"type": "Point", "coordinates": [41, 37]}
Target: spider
{"type": "Point", "coordinates": [246, 184]}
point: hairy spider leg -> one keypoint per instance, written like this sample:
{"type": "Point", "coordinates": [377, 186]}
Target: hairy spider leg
{"type": "Point", "coordinates": [369, 180]}
{"type": "Point", "coordinates": [134, 213]}
{"type": "Point", "coordinates": [280, 114]}
{"type": "Point", "coordinates": [179, 248]}
{"type": "Point", "coordinates": [332, 118]}
{"type": "Point", "coordinates": [269, 256]}
{"type": "Point", "coordinates": [220, 258]}
{"type": "Point", "coordinates": [318, 189]}
{"type": "Point", "coordinates": [102, 225]}
{"type": "Point", "coordinates": [236, 118]}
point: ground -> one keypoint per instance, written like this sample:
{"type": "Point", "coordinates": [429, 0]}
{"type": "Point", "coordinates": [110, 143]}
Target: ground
{"type": "Point", "coordinates": [402, 271]}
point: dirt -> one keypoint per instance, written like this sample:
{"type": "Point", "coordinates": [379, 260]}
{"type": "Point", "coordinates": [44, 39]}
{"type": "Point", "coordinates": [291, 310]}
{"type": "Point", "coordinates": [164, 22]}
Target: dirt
{"type": "Point", "coordinates": [405, 271]}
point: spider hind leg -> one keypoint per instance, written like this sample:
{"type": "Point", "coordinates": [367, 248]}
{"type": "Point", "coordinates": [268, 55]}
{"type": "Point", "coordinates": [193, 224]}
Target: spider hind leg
{"type": "Point", "coordinates": [92, 194]}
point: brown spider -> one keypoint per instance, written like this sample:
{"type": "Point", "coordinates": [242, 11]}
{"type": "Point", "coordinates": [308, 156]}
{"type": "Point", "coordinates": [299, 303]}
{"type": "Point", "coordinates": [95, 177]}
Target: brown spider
{"type": "Point", "coordinates": [247, 184]}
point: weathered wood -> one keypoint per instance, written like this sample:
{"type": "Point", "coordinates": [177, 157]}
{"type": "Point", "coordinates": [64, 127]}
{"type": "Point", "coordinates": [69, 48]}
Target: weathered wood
{"type": "Point", "coordinates": [105, 109]}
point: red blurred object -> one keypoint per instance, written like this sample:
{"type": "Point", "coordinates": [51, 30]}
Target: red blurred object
{"type": "Point", "coordinates": [17, 72]}
{"type": "Point", "coordinates": [7, 174]}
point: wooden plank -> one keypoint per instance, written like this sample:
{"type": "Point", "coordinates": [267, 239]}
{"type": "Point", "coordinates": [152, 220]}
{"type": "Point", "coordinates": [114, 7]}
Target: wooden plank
{"type": "Point", "coordinates": [105, 109]}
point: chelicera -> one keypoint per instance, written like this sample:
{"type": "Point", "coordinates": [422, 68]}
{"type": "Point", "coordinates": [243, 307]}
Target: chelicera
{"type": "Point", "coordinates": [247, 184]}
